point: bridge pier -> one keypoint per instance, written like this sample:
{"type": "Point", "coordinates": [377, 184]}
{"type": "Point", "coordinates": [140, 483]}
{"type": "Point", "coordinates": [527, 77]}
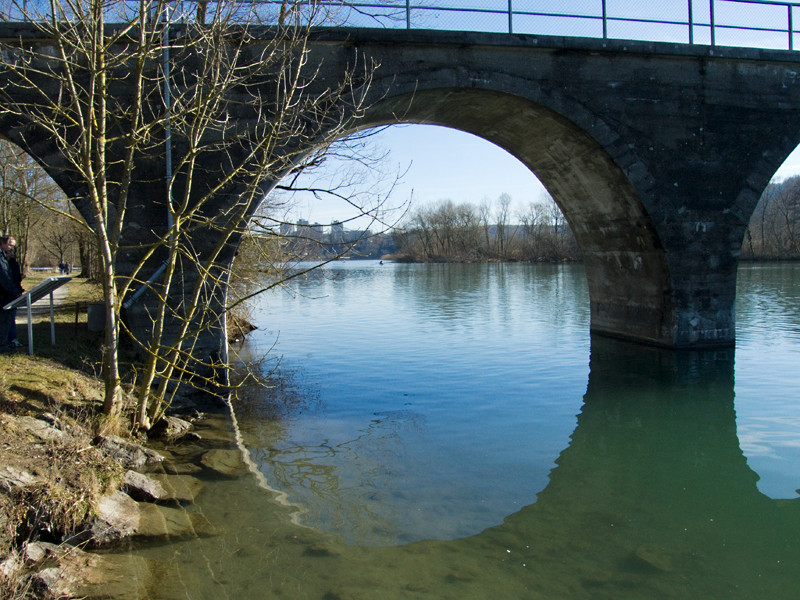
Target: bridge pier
{"type": "Point", "coordinates": [688, 305]}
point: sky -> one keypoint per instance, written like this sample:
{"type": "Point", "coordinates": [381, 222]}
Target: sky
{"type": "Point", "coordinates": [438, 163]}
{"type": "Point", "coordinates": [434, 163]}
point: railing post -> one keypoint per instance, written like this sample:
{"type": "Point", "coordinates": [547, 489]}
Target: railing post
{"type": "Point", "coordinates": [691, 23]}
{"type": "Point", "coordinates": [605, 21]}
{"type": "Point", "coordinates": [510, 17]}
{"type": "Point", "coordinates": [791, 27]}
{"type": "Point", "coordinates": [711, 20]}
{"type": "Point", "coordinates": [408, 14]}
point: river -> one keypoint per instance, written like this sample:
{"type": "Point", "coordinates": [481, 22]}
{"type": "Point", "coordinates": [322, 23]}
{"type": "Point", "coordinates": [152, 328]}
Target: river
{"type": "Point", "coordinates": [453, 431]}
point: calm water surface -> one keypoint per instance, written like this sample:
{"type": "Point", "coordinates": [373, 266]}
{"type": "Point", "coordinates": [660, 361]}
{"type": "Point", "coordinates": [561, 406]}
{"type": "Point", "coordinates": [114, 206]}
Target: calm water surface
{"type": "Point", "coordinates": [452, 431]}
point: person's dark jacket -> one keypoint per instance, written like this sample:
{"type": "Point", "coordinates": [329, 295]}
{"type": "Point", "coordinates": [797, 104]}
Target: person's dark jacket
{"type": "Point", "coordinates": [8, 288]}
{"type": "Point", "coordinates": [16, 272]}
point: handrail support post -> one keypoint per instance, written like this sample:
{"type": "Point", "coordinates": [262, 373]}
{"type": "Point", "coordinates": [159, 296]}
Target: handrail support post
{"type": "Point", "coordinates": [605, 21]}
{"type": "Point", "coordinates": [711, 21]}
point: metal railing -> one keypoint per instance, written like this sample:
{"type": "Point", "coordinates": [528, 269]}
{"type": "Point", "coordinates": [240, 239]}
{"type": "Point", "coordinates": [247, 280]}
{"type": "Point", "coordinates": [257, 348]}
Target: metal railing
{"type": "Point", "coordinates": [744, 23]}
{"type": "Point", "coordinates": [769, 20]}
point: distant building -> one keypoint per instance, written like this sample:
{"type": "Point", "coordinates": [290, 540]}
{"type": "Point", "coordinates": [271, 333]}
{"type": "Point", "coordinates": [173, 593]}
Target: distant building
{"type": "Point", "coordinates": [316, 232]}
{"type": "Point", "coordinates": [337, 232]}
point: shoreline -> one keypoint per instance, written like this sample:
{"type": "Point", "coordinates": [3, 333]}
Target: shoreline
{"type": "Point", "coordinates": [66, 492]}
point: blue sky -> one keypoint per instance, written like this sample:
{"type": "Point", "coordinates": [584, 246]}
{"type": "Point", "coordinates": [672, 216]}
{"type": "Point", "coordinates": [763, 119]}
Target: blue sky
{"type": "Point", "coordinates": [436, 163]}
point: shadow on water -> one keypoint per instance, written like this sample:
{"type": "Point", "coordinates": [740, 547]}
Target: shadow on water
{"type": "Point", "coordinates": [652, 498]}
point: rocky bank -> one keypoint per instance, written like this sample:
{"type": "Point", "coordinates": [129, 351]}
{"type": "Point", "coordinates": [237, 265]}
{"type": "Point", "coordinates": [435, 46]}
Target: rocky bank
{"type": "Point", "coordinates": [66, 491]}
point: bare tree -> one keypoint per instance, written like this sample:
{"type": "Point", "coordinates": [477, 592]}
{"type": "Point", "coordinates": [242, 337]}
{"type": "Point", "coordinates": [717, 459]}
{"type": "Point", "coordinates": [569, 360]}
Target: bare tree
{"type": "Point", "coordinates": [785, 217]}
{"type": "Point", "coordinates": [503, 213]}
{"type": "Point", "coordinates": [485, 216]}
{"type": "Point", "coordinates": [774, 229]}
{"type": "Point", "coordinates": [59, 239]}
{"type": "Point", "coordinates": [26, 192]}
{"type": "Point", "coordinates": [179, 83]}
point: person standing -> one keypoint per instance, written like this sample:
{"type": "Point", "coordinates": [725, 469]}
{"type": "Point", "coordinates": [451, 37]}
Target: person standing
{"type": "Point", "coordinates": [16, 277]}
{"type": "Point", "coordinates": [9, 290]}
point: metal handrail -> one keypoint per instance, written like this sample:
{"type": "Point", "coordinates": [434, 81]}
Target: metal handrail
{"type": "Point", "coordinates": [602, 16]}
{"type": "Point", "coordinates": [405, 13]}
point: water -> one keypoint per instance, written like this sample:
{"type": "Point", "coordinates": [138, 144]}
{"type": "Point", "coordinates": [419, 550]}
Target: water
{"type": "Point", "coordinates": [423, 428]}
{"type": "Point", "coordinates": [452, 431]}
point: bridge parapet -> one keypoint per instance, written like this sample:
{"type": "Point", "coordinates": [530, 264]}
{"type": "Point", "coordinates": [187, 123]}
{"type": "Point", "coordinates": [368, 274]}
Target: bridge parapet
{"type": "Point", "coordinates": [736, 23]}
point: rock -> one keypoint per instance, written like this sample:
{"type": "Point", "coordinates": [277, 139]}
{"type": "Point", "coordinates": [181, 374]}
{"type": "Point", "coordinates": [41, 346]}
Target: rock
{"type": "Point", "coordinates": [160, 521]}
{"type": "Point", "coordinates": [78, 574]}
{"type": "Point", "coordinates": [181, 468]}
{"type": "Point", "coordinates": [50, 583]}
{"type": "Point", "coordinates": [320, 550]}
{"type": "Point", "coordinates": [143, 487]}
{"type": "Point", "coordinates": [202, 526]}
{"type": "Point", "coordinates": [115, 577]}
{"type": "Point", "coordinates": [171, 428]}
{"type": "Point", "coordinates": [130, 454]}
{"type": "Point", "coordinates": [11, 477]}
{"type": "Point", "coordinates": [36, 552]}
{"type": "Point", "coordinates": [238, 328]}
{"type": "Point", "coordinates": [40, 429]}
{"type": "Point", "coordinates": [57, 423]}
{"type": "Point", "coordinates": [116, 517]}
{"type": "Point", "coordinates": [225, 462]}
{"type": "Point", "coordinates": [180, 488]}
{"type": "Point", "coordinates": [10, 566]}
{"type": "Point", "coordinates": [653, 557]}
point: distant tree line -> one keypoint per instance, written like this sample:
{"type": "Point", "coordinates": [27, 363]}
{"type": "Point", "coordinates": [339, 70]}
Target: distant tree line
{"type": "Point", "coordinates": [774, 229]}
{"type": "Point", "coordinates": [462, 232]}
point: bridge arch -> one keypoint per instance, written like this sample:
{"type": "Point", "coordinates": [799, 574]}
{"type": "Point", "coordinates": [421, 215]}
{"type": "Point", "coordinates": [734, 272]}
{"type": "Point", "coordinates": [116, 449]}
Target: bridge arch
{"type": "Point", "coordinates": [656, 152]}
{"type": "Point", "coordinates": [626, 265]}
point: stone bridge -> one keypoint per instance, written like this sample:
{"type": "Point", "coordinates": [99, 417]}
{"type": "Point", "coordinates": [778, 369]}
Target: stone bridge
{"type": "Point", "coordinates": [656, 153]}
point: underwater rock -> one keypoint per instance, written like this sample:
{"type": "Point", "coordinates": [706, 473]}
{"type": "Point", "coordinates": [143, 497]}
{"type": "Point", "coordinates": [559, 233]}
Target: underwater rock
{"type": "Point", "coordinates": [225, 462]}
{"type": "Point", "coordinates": [654, 557]}
{"type": "Point", "coordinates": [179, 488]}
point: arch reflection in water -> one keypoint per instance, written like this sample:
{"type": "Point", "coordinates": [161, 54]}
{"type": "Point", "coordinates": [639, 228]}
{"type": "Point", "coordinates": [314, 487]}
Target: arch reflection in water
{"type": "Point", "coordinates": [653, 493]}
{"type": "Point", "coordinates": [652, 499]}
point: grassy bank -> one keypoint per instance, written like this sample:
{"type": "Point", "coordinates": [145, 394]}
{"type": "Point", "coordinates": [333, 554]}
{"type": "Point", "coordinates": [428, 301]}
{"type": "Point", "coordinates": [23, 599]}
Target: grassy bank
{"type": "Point", "coordinates": [58, 383]}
